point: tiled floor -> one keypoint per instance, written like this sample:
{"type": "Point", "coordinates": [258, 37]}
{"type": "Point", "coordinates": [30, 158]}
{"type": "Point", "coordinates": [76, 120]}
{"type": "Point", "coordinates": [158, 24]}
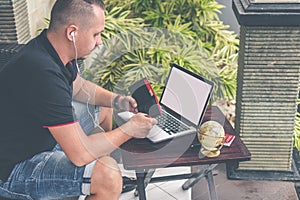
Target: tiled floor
{"type": "Point", "coordinates": [226, 189]}
{"type": "Point", "coordinates": [164, 190]}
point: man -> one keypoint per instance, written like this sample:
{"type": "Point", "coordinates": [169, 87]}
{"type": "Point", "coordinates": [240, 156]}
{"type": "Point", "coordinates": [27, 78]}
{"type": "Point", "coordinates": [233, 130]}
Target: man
{"type": "Point", "coordinates": [37, 89]}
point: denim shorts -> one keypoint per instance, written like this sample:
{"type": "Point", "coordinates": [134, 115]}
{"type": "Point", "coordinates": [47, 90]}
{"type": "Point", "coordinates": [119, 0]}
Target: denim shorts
{"type": "Point", "coordinates": [51, 175]}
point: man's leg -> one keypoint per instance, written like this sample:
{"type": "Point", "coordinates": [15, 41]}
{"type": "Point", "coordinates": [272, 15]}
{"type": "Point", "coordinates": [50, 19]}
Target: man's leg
{"type": "Point", "coordinates": [95, 119]}
{"type": "Point", "coordinates": [106, 181]}
{"type": "Point", "coordinates": [50, 175]}
{"type": "Point", "coordinates": [106, 118]}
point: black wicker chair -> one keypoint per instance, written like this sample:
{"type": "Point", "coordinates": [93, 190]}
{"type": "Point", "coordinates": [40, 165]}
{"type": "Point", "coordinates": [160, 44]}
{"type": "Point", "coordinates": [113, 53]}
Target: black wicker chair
{"type": "Point", "coordinates": [7, 51]}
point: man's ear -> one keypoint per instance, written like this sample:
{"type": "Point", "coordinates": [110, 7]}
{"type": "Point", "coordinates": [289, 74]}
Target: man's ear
{"type": "Point", "coordinates": [71, 33]}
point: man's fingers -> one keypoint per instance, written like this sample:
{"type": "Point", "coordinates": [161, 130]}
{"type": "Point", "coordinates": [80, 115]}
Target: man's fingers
{"type": "Point", "coordinates": [154, 121]}
{"type": "Point", "coordinates": [132, 102]}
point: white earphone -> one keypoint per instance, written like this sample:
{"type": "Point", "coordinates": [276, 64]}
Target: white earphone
{"type": "Point", "coordinates": [73, 35]}
{"type": "Point", "coordinates": [76, 56]}
{"type": "Point", "coordinates": [79, 72]}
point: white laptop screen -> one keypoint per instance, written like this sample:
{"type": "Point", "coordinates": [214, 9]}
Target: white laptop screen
{"type": "Point", "coordinates": [186, 94]}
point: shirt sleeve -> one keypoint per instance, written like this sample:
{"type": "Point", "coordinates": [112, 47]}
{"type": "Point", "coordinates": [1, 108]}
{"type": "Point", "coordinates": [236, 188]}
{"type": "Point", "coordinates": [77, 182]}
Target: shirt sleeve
{"type": "Point", "coordinates": [51, 98]}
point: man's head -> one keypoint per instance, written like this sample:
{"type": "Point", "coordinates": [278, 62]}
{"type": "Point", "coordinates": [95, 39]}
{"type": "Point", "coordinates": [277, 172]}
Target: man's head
{"type": "Point", "coordinates": [80, 20]}
{"type": "Point", "coordinates": [65, 12]}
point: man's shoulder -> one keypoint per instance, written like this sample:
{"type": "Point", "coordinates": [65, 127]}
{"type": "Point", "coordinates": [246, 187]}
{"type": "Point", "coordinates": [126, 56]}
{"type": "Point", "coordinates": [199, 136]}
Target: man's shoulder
{"type": "Point", "coordinates": [34, 52]}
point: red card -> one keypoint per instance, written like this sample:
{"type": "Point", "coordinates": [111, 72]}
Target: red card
{"type": "Point", "coordinates": [228, 139]}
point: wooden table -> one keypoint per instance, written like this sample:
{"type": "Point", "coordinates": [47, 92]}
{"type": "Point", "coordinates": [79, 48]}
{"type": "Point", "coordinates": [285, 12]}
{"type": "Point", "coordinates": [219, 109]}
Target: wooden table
{"type": "Point", "coordinates": [144, 156]}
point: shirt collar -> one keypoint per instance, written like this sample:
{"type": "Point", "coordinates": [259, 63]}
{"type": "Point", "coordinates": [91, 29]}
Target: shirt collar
{"type": "Point", "coordinates": [44, 40]}
{"type": "Point", "coordinates": [70, 70]}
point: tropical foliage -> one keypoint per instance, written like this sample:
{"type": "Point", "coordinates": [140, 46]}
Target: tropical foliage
{"type": "Point", "coordinates": [297, 128]}
{"type": "Point", "coordinates": [142, 38]}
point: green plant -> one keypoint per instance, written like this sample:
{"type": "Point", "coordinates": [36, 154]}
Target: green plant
{"type": "Point", "coordinates": [117, 21]}
{"type": "Point", "coordinates": [143, 37]}
{"type": "Point", "coordinates": [297, 129]}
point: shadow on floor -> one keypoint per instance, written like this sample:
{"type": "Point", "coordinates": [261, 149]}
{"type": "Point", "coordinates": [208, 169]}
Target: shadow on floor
{"type": "Point", "coordinates": [243, 189]}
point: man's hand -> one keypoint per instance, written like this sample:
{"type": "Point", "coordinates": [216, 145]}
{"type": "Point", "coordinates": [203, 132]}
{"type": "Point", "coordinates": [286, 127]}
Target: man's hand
{"type": "Point", "coordinates": [125, 103]}
{"type": "Point", "coordinates": [138, 126]}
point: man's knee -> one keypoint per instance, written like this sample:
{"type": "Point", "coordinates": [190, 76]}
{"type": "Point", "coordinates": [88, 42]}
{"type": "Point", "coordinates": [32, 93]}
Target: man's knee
{"type": "Point", "coordinates": [106, 118]}
{"type": "Point", "coordinates": [106, 176]}
{"type": "Point", "coordinates": [105, 113]}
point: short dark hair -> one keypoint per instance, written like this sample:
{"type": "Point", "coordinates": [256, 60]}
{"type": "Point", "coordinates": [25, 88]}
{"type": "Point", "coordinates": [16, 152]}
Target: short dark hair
{"type": "Point", "coordinates": [67, 11]}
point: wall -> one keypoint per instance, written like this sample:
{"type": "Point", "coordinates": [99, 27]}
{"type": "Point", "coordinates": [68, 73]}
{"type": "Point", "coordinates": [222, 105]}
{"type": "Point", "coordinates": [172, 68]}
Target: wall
{"type": "Point", "coordinates": [37, 11]}
{"type": "Point", "coordinates": [14, 22]}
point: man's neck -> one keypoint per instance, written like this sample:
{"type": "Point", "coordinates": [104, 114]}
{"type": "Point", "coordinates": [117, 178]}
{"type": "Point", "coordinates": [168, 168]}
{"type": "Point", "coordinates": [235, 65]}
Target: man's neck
{"type": "Point", "coordinates": [61, 46]}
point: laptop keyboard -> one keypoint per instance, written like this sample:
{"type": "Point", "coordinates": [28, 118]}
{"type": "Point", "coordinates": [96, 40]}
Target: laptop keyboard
{"type": "Point", "coordinates": [170, 124]}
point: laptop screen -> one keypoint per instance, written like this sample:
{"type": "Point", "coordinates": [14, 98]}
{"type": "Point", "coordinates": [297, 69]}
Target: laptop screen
{"type": "Point", "coordinates": [187, 94]}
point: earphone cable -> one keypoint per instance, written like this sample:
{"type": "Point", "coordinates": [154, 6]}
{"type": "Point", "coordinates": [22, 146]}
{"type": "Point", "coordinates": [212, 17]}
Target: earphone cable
{"type": "Point", "coordinates": [86, 92]}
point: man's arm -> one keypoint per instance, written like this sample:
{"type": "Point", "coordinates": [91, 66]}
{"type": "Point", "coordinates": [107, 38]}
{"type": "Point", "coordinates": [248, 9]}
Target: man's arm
{"type": "Point", "coordinates": [86, 91]}
{"type": "Point", "coordinates": [82, 149]}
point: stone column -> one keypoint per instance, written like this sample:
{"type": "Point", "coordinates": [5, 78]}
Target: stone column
{"type": "Point", "coordinates": [14, 24]}
{"type": "Point", "coordinates": [268, 83]}
{"type": "Point", "coordinates": [38, 10]}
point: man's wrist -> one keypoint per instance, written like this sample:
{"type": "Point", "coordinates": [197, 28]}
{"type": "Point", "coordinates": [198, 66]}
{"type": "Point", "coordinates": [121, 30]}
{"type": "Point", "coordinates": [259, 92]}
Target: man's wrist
{"type": "Point", "coordinates": [125, 130]}
{"type": "Point", "coordinates": [115, 102]}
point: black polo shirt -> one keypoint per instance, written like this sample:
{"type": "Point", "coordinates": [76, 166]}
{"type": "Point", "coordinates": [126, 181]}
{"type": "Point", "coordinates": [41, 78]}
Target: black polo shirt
{"type": "Point", "coordinates": [36, 92]}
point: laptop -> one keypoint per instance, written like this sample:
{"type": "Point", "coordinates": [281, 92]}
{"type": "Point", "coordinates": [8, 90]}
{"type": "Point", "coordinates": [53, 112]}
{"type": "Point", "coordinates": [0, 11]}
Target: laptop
{"type": "Point", "coordinates": [183, 104]}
